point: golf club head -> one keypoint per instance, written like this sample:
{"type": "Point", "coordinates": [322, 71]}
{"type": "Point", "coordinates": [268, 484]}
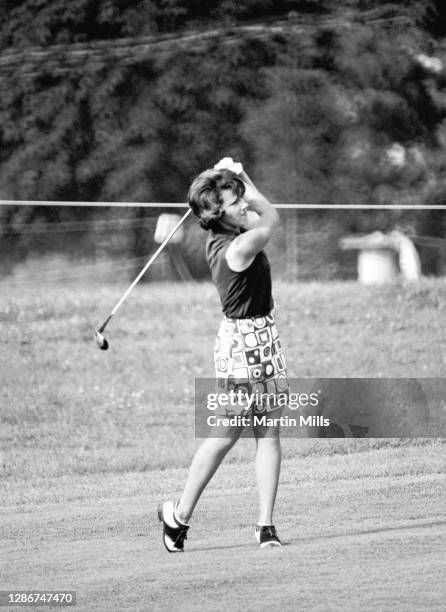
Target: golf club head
{"type": "Point", "coordinates": [101, 341]}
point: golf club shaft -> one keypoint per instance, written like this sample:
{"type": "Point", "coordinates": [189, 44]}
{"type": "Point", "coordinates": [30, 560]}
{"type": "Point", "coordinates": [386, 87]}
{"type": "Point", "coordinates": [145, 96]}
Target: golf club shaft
{"type": "Point", "coordinates": [144, 270]}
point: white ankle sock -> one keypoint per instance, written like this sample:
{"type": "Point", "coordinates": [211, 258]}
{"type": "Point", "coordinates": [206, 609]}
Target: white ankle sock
{"type": "Point", "coordinates": [172, 519]}
{"type": "Point", "coordinates": [168, 515]}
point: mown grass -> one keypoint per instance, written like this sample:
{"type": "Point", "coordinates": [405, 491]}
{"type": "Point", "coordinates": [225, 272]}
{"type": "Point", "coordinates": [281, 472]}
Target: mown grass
{"type": "Point", "coordinates": [67, 408]}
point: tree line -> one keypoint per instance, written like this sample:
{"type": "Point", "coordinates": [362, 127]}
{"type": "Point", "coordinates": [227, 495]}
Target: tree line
{"type": "Point", "coordinates": [325, 102]}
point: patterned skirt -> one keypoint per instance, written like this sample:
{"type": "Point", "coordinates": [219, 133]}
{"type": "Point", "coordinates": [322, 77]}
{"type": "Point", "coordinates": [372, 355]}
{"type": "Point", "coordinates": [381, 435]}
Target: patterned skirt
{"type": "Point", "coordinates": [248, 356]}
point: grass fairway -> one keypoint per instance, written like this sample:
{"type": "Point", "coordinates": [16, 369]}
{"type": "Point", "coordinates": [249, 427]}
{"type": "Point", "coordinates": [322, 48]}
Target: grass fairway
{"type": "Point", "coordinates": [92, 441]}
{"type": "Point", "coordinates": [361, 531]}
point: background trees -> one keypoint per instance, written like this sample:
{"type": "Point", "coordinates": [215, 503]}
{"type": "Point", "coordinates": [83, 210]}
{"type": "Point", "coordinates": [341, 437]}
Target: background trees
{"type": "Point", "coordinates": [325, 102]}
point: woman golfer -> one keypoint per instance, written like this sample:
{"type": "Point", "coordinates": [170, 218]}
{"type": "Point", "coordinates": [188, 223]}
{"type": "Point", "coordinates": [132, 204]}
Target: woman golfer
{"type": "Point", "coordinates": [240, 222]}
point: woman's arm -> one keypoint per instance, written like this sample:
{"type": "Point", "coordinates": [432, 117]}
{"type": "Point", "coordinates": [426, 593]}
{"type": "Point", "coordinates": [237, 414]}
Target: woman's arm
{"type": "Point", "coordinates": [245, 247]}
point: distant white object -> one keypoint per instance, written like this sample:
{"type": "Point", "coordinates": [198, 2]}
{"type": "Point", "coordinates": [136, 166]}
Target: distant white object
{"type": "Point", "coordinates": [227, 163]}
{"type": "Point", "coordinates": [376, 266]}
{"type": "Point", "coordinates": [396, 155]}
{"type": "Point", "coordinates": [383, 257]}
{"type": "Point", "coordinates": [165, 224]}
{"type": "Point", "coordinates": [433, 64]}
{"type": "Point", "coordinates": [409, 259]}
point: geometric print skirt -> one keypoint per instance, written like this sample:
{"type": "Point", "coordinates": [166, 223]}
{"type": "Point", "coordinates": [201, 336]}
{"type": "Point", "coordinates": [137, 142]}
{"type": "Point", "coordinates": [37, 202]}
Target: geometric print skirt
{"type": "Point", "coordinates": [248, 356]}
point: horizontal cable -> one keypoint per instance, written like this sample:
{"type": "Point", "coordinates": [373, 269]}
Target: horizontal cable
{"type": "Point", "coordinates": [162, 205]}
{"type": "Point", "coordinates": [91, 204]}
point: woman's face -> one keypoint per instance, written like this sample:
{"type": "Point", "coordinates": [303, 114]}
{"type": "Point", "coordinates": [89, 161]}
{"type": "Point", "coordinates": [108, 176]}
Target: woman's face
{"type": "Point", "coordinates": [234, 208]}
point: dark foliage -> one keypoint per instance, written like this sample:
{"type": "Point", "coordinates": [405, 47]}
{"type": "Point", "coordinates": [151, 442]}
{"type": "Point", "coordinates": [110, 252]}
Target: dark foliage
{"type": "Point", "coordinates": [342, 101]}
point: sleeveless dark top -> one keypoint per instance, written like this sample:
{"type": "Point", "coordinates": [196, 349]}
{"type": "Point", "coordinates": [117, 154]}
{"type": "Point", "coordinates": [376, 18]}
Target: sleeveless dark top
{"type": "Point", "coordinates": [243, 294]}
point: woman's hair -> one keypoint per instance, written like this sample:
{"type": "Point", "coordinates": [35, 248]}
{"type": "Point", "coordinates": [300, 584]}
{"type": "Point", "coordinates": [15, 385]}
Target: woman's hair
{"type": "Point", "coordinates": [204, 195]}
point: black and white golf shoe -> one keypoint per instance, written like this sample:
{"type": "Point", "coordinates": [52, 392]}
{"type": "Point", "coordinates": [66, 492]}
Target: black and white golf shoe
{"type": "Point", "coordinates": [174, 532]}
{"type": "Point", "coordinates": [266, 536]}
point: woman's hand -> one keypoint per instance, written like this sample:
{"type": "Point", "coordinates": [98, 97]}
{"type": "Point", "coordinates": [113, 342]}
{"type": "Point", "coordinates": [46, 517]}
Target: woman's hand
{"type": "Point", "coordinates": [227, 163]}
{"type": "Point", "coordinates": [251, 194]}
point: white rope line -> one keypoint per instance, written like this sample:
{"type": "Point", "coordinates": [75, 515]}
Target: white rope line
{"type": "Point", "coordinates": [91, 204]}
{"type": "Point", "coordinates": [163, 205]}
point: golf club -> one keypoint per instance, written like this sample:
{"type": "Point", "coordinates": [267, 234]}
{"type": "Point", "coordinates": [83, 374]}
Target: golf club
{"type": "Point", "coordinates": [101, 341]}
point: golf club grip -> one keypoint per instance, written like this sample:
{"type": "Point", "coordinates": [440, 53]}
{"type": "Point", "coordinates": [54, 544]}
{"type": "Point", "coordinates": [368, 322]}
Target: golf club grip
{"type": "Point", "coordinates": [151, 260]}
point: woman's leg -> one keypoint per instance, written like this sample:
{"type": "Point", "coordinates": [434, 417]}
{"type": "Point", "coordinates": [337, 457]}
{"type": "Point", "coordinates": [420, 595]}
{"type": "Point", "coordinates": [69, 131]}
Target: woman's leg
{"type": "Point", "coordinates": [268, 459]}
{"type": "Point", "coordinates": [204, 465]}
